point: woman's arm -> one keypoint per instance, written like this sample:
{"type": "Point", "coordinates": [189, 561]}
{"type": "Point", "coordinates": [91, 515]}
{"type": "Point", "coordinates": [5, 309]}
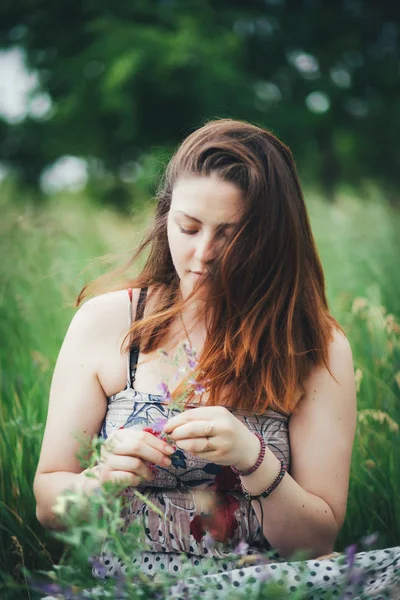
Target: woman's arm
{"type": "Point", "coordinates": [307, 509]}
{"type": "Point", "coordinates": [77, 401]}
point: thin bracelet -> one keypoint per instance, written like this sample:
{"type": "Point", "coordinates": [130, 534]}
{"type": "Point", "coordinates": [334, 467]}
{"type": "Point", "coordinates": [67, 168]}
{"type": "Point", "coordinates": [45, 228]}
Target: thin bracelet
{"type": "Point", "coordinates": [258, 461]}
{"type": "Point", "coordinates": [270, 488]}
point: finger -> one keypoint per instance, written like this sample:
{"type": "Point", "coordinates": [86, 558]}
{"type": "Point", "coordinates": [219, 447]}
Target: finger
{"type": "Point", "coordinates": [194, 429]}
{"type": "Point", "coordinates": [193, 414]}
{"type": "Point", "coordinates": [130, 464]}
{"type": "Point", "coordinates": [198, 445]}
{"type": "Point", "coordinates": [142, 444]}
{"type": "Point", "coordinates": [124, 477]}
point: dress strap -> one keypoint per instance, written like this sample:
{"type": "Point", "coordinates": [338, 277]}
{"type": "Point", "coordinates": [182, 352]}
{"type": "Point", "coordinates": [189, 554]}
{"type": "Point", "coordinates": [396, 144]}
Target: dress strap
{"type": "Point", "coordinates": [134, 351]}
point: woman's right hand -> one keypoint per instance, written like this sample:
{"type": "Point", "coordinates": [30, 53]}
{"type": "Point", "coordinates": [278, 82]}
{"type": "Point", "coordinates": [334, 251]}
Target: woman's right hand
{"type": "Point", "coordinates": [124, 455]}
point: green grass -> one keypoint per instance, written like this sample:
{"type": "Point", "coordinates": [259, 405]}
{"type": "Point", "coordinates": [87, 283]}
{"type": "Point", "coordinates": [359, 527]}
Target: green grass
{"type": "Point", "coordinates": [45, 252]}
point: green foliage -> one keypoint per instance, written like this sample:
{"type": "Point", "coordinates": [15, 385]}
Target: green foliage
{"type": "Point", "coordinates": [138, 76]}
{"type": "Point", "coordinates": [45, 252]}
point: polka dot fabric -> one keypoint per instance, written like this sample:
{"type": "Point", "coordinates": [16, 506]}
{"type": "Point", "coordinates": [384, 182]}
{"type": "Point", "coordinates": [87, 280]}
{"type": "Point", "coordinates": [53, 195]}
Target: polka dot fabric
{"type": "Point", "coordinates": [373, 575]}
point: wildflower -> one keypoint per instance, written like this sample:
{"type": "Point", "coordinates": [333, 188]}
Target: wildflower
{"type": "Point", "coordinates": [166, 394]}
{"type": "Point", "coordinates": [180, 371]}
{"type": "Point", "coordinates": [100, 568]}
{"type": "Point", "coordinates": [379, 416]}
{"type": "Point", "coordinates": [198, 387]}
{"type": "Point", "coordinates": [241, 548]}
{"type": "Point", "coordinates": [67, 593]}
{"type": "Point", "coordinates": [61, 504]}
{"type": "Point", "coordinates": [391, 324]}
{"type": "Point", "coordinates": [358, 305]}
{"type": "Point", "coordinates": [358, 378]}
{"type": "Point", "coordinates": [159, 423]}
{"type": "Point", "coordinates": [350, 554]}
{"type": "Point", "coordinates": [191, 355]}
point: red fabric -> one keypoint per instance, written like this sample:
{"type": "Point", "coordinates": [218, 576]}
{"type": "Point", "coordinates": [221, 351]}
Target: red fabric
{"type": "Point", "coordinates": [221, 522]}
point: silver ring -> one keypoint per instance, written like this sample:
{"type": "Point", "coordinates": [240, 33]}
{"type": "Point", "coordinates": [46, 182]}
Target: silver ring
{"type": "Point", "coordinates": [209, 429]}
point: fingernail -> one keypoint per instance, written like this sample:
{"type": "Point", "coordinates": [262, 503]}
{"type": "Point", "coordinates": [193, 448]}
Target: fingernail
{"type": "Point", "coordinates": [170, 449]}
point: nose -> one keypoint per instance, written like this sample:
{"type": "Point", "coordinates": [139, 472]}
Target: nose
{"type": "Point", "coordinates": [205, 248]}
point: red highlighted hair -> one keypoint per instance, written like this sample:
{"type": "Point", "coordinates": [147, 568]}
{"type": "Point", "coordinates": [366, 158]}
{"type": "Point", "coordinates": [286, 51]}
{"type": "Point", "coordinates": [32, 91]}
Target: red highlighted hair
{"type": "Point", "coordinates": [268, 321]}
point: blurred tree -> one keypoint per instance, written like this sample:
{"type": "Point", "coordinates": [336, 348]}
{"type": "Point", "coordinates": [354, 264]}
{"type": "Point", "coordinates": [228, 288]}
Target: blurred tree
{"type": "Point", "coordinates": [130, 78]}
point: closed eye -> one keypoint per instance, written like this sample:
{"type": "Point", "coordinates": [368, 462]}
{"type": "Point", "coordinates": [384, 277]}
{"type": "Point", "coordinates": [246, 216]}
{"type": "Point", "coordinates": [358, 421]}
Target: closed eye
{"type": "Point", "coordinates": [220, 233]}
{"type": "Point", "coordinates": [187, 231]}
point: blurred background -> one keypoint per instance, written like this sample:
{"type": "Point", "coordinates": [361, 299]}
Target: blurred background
{"type": "Point", "coordinates": [94, 97]}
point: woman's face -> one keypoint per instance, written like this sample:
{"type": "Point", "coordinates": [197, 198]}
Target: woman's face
{"type": "Point", "coordinates": [204, 213]}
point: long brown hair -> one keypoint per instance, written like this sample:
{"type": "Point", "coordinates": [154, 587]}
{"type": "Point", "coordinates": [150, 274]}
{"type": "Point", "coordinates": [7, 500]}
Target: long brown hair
{"type": "Point", "coordinates": [268, 320]}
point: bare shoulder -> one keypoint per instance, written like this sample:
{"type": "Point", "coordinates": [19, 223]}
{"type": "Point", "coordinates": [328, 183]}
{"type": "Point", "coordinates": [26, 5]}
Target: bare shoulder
{"type": "Point", "coordinates": [333, 384]}
{"type": "Point", "coordinates": [340, 363]}
{"type": "Point", "coordinates": [340, 354]}
{"type": "Point", "coordinates": [106, 314]}
{"type": "Point", "coordinates": [107, 305]}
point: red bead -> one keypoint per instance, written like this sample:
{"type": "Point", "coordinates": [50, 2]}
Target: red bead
{"type": "Point", "coordinates": [258, 462]}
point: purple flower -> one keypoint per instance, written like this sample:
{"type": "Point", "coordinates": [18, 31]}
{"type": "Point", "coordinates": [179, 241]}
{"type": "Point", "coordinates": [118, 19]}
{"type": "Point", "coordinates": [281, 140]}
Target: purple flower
{"type": "Point", "coordinates": [198, 387]}
{"type": "Point", "coordinates": [241, 548]}
{"type": "Point", "coordinates": [350, 553]}
{"type": "Point", "coordinates": [158, 424]}
{"type": "Point", "coordinates": [101, 569]}
{"type": "Point", "coordinates": [164, 389]}
{"type": "Point", "coordinates": [191, 355]}
{"type": "Point", "coordinates": [68, 593]}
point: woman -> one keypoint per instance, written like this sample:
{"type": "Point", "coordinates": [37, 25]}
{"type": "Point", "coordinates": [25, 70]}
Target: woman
{"type": "Point", "coordinates": [233, 271]}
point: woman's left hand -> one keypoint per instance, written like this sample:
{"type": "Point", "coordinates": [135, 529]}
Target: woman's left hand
{"type": "Point", "coordinates": [215, 434]}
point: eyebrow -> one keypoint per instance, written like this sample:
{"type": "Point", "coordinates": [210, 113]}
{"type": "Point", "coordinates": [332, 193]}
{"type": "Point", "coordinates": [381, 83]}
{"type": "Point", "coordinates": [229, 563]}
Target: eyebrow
{"type": "Point", "coordinates": [180, 212]}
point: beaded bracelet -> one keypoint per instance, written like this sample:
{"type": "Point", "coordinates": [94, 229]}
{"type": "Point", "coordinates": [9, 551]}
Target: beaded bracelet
{"type": "Point", "coordinates": [258, 462]}
{"type": "Point", "coordinates": [270, 488]}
